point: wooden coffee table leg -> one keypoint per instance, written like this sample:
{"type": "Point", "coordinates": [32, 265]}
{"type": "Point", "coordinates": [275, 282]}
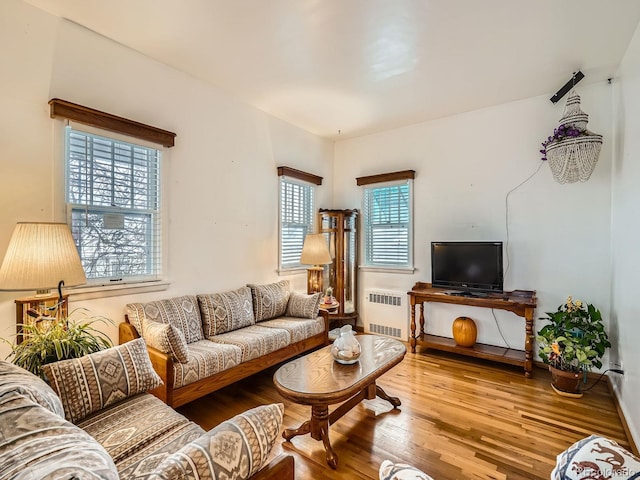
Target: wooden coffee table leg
{"type": "Point", "coordinates": [395, 401]}
{"type": "Point", "coordinates": [303, 429]}
{"type": "Point", "coordinates": [320, 431]}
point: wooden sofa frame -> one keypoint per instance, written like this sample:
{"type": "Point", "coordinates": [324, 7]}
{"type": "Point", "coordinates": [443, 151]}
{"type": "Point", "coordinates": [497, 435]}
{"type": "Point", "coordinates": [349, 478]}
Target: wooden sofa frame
{"type": "Point", "coordinates": [175, 397]}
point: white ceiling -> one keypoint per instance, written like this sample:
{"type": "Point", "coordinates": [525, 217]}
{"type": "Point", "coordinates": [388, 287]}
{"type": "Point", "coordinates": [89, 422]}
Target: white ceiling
{"type": "Point", "coordinates": [362, 66]}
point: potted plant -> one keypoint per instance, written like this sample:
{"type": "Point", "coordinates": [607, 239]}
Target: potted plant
{"type": "Point", "coordinates": [572, 343]}
{"type": "Point", "coordinates": [50, 339]}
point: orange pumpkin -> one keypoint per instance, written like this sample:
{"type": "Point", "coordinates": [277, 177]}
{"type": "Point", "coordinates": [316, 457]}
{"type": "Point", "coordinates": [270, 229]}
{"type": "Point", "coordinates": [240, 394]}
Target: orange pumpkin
{"type": "Point", "coordinates": [465, 331]}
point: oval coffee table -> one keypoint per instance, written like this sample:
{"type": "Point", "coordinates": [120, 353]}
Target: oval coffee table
{"type": "Point", "coordinates": [316, 379]}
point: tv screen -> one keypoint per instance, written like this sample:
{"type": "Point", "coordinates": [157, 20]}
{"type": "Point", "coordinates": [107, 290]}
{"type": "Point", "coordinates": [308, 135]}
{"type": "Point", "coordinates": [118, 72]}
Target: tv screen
{"type": "Point", "coordinates": [467, 266]}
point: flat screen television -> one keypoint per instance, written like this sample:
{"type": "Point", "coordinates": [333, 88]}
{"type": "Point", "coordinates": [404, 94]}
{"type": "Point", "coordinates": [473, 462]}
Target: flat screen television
{"type": "Point", "coordinates": [467, 266]}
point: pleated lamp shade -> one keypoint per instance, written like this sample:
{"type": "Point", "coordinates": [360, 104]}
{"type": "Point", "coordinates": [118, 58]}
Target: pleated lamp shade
{"type": "Point", "coordinates": [39, 256]}
{"type": "Point", "coordinates": [315, 250]}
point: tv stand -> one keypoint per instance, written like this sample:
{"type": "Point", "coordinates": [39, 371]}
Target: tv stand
{"type": "Point", "coordinates": [520, 302]}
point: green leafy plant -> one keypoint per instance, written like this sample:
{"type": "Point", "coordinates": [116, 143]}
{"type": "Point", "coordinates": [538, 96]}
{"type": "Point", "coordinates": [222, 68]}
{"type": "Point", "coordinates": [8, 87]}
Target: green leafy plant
{"type": "Point", "coordinates": [574, 339]}
{"type": "Point", "coordinates": [46, 341]}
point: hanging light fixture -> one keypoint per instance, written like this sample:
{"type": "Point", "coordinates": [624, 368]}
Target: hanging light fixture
{"type": "Point", "coordinates": [572, 151]}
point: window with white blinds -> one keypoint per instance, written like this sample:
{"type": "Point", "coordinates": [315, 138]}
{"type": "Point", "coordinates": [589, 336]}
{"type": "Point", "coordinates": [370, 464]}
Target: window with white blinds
{"type": "Point", "coordinates": [113, 204]}
{"type": "Point", "coordinates": [296, 220]}
{"type": "Point", "coordinates": [387, 218]}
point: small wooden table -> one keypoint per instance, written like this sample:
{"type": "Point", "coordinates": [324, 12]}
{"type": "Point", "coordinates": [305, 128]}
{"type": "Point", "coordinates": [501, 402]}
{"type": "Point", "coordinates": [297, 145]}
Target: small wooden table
{"type": "Point", "coordinates": [520, 302]}
{"type": "Point", "coordinates": [318, 380]}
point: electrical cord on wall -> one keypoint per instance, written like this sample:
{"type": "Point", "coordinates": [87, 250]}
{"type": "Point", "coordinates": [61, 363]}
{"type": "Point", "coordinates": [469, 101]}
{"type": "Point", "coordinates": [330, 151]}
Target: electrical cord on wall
{"type": "Point", "coordinates": [616, 370]}
{"type": "Point", "coordinates": [499, 329]}
{"type": "Point", "coordinates": [506, 220]}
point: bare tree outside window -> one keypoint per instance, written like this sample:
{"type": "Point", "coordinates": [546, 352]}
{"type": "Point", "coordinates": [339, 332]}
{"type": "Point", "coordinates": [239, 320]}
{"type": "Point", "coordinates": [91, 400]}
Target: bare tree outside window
{"type": "Point", "coordinates": [113, 193]}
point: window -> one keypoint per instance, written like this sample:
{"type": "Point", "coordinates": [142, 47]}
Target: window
{"type": "Point", "coordinates": [113, 204]}
{"type": "Point", "coordinates": [296, 219]}
{"type": "Point", "coordinates": [387, 216]}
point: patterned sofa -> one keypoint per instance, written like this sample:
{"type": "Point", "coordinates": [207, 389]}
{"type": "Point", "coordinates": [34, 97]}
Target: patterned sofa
{"type": "Point", "coordinates": [96, 422]}
{"type": "Point", "coordinates": [199, 344]}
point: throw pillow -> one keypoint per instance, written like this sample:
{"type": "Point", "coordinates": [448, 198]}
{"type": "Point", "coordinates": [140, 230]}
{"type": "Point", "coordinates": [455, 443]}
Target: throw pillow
{"type": "Point", "coordinates": [270, 301]}
{"type": "Point", "coordinates": [227, 311]}
{"type": "Point", "coordinates": [90, 383]}
{"type": "Point", "coordinates": [304, 306]}
{"type": "Point", "coordinates": [596, 457]}
{"type": "Point", "coordinates": [181, 312]}
{"type": "Point", "coordinates": [236, 449]}
{"type": "Point", "coordinates": [400, 471]}
{"type": "Point", "coordinates": [166, 338]}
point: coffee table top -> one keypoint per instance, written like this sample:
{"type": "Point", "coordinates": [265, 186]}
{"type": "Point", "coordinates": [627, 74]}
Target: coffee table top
{"type": "Point", "coordinates": [317, 378]}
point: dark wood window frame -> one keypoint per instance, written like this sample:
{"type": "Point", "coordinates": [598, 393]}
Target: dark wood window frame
{"type": "Point", "coordinates": [386, 177]}
{"type": "Point", "coordinates": [106, 121]}
{"type": "Point", "coordinates": [299, 175]}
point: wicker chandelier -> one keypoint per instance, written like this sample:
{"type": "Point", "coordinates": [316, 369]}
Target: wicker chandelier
{"type": "Point", "coordinates": [573, 151]}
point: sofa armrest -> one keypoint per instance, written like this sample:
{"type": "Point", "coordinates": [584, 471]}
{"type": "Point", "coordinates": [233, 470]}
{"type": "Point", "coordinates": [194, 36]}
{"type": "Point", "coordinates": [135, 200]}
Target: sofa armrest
{"type": "Point", "coordinates": [163, 365]}
{"type": "Point", "coordinates": [126, 333]}
{"type": "Point", "coordinates": [280, 468]}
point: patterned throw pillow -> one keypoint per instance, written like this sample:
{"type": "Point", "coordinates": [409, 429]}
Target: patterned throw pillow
{"type": "Point", "coordinates": [596, 457]}
{"type": "Point", "coordinates": [90, 383]}
{"type": "Point", "coordinates": [304, 306]}
{"type": "Point", "coordinates": [270, 301]}
{"type": "Point", "coordinates": [166, 338]}
{"type": "Point", "coordinates": [181, 312]}
{"type": "Point", "coordinates": [227, 311]}
{"type": "Point", "coordinates": [401, 471]}
{"type": "Point", "coordinates": [236, 449]}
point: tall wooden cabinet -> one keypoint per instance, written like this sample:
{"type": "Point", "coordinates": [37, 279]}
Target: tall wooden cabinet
{"type": "Point", "coordinates": [340, 228]}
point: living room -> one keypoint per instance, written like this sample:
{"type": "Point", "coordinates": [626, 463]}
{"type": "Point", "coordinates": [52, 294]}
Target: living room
{"type": "Point", "coordinates": [221, 185]}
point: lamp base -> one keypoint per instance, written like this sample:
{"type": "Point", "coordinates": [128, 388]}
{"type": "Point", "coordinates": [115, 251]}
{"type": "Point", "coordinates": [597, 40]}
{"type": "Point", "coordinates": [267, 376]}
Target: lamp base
{"type": "Point", "coordinates": [314, 279]}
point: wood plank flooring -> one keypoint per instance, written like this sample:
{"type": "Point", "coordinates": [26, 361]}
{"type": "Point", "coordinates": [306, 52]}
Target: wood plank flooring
{"type": "Point", "coordinates": [460, 418]}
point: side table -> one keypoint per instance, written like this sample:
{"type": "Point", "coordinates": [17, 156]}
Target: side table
{"type": "Point", "coordinates": [328, 309]}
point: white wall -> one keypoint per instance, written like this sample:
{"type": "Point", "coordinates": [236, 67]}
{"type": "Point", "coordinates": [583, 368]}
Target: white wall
{"type": "Point", "coordinates": [559, 235]}
{"type": "Point", "coordinates": [625, 231]}
{"type": "Point", "coordinates": [222, 184]}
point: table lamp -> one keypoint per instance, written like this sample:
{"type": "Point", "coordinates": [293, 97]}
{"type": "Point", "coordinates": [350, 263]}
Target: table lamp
{"type": "Point", "coordinates": [315, 252]}
{"type": "Point", "coordinates": [41, 256]}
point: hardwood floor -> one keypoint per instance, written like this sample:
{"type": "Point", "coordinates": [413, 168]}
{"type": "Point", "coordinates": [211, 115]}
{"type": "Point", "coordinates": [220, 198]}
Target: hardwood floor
{"type": "Point", "coordinates": [460, 418]}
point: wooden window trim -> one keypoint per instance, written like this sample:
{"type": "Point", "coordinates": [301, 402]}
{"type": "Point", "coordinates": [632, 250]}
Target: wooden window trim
{"type": "Point", "coordinates": [299, 175]}
{"type": "Point", "coordinates": [106, 121]}
{"type": "Point", "coordinates": [386, 177]}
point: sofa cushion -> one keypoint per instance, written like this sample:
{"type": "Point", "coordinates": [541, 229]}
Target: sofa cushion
{"type": "Point", "coordinates": [181, 312]}
{"type": "Point", "coordinates": [270, 301]}
{"type": "Point", "coordinates": [596, 457]}
{"type": "Point", "coordinates": [255, 341]}
{"type": "Point", "coordinates": [90, 383]}
{"type": "Point", "coordinates": [303, 306]}
{"type": "Point", "coordinates": [139, 433]}
{"type": "Point", "coordinates": [166, 338]}
{"type": "Point", "coordinates": [35, 443]}
{"type": "Point", "coordinates": [17, 379]}
{"type": "Point", "coordinates": [227, 311]}
{"type": "Point", "coordinates": [299, 328]}
{"type": "Point", "coordinates": [400, 471]}
{"type": "Point", "coordinates": [236, 449]}
{"type": "Point", "coordinates": [205, 359]}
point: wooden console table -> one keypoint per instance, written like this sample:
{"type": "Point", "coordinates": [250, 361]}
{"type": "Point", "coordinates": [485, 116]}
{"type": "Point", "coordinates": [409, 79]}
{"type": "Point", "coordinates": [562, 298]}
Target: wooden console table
{"type": "Point", "coordinates": [521, 302]}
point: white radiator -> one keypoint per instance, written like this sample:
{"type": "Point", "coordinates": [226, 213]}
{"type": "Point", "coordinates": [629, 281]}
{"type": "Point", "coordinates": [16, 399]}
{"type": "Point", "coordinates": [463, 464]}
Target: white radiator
{"type": "Point", "coordinates": [385, 313]}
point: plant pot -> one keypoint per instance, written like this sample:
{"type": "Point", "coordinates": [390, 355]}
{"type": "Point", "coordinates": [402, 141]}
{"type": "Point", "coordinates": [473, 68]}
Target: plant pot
{"type": "Point", "coordinates": [563, 381]}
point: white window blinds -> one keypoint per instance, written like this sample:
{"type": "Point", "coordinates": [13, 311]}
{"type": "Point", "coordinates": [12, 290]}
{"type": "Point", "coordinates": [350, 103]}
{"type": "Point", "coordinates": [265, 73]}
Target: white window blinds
{"type": "Point", "coordinates": [296, 220]}
{"type": "Point", "coordinates": [113, 201]}
{"type": "Point", "coordinates": [387, 216]}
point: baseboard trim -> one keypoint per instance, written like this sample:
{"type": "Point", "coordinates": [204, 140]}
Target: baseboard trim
{"type": "Point", "coordinates": [625, 425]}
